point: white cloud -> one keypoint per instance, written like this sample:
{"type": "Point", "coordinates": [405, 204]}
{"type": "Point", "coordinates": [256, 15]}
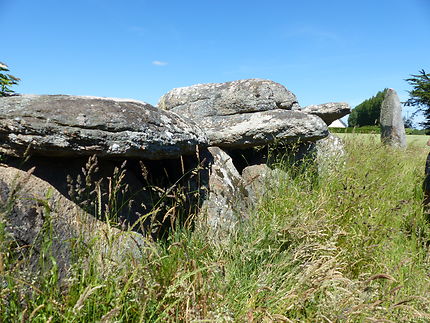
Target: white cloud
{"type": "Point", "coordinates": [159, 63]}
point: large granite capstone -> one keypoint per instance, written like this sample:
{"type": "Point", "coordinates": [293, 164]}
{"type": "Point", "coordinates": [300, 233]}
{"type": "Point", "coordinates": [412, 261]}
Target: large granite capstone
{"type": "Point", "coordinates": [244, 113]}
{"type": "Point", "coordinates": [215, 99]}
{"type": "Point", "coordinates": [241, 131]}
{"type": "Point", "coordinates": [62, 125]}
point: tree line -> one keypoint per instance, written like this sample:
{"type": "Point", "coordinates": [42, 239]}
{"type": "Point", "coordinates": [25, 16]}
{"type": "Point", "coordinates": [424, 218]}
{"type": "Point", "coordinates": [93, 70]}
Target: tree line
{"type": "Point", "coordinates": [367, 113]}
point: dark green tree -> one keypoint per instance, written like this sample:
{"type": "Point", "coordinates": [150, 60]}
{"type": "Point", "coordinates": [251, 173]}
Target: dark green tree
{"type": "Point", "coordinates": [408, 122]}
{"type": "Point", "coordinates": [6, 80]}
{"type": "Point", "coordinates": [367, 112]}
{"type": "Point", "coordinates": [420, 96]}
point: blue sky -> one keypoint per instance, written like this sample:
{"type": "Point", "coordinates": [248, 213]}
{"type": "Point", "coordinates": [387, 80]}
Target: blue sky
{"type": "Point", "coordinates": [321, 50]}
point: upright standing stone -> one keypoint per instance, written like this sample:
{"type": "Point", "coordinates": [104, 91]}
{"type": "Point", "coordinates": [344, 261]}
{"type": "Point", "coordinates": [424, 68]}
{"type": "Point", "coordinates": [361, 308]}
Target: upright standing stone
{"type": "Point", "coordinates": [226, 204]}
{"type": "Point", "coordinates": [392, 127]}
{"type": "Point", "coordinates": [426, 184]}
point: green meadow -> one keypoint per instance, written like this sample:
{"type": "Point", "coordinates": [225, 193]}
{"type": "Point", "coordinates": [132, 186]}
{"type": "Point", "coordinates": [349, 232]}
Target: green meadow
{"type": "Point", "coordinates": [350, 246]}
{"type": "Point", "coordinates": [415, 140]}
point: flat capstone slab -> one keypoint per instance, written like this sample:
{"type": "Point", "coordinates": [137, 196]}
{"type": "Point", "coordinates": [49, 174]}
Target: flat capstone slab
{"type": "Point", "coordinates": [63, 125]}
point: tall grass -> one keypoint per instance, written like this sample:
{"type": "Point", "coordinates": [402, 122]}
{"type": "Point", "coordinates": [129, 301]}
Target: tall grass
{"type": "Point", "coordinates": [350, 246]}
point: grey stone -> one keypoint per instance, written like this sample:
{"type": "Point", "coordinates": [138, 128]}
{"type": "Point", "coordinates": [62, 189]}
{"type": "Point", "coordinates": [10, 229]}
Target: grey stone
{"type": "Point", "coordinates": [231, 198]}
{"type": "Point", "coordinates": [35, 211]}
{"type": "Point", "coordinates": [60, 125]}
{"type": "Point", "coordinates": [329, 112]}
{"type": "Point", "coordinates": [255, 179]}
{"type": "Point", "coordinates": [262, 128]}
{"type": "Point", "coordinates": [330, 154]}
{"type": "Point", "coordinates": [426, 183]}
{"type": "Point", "coordinates": [221, 99]}
{"type": "Point", "coordinates": [391, 120]}
{"type": "Point", "coordinates": [244, 113]}
{"type": "Point", "coordinates": [259, 179]}
{"type": "Point", "coordinates": [224, 207]}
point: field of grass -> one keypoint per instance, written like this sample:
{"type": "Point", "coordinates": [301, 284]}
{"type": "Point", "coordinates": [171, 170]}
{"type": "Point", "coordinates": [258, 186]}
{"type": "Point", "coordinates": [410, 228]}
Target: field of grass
{"type": "Point", "coordinates": [415, 140]}
{"type": "Point", "coordinates": [352, 246]}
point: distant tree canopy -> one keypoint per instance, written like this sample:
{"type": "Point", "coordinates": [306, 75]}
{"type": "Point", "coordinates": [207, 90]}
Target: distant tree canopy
{"type": "Point", "coordinates": [420, 96]}
{"type": "Point", "coordinates": [367, 113]}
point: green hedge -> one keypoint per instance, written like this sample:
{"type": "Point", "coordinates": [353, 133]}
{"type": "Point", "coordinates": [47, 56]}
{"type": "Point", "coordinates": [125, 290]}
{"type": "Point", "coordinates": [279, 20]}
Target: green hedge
{"type": "Point", "coordinates": [374, 130]}
{"type": "Point", "coordinates": [410, 131]}
{"type": "Point", "coordinates": [365, 129]}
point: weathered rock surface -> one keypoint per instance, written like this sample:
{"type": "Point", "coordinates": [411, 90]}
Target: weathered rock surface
{"type": "Point", "coordinates": [225, 203]}
{"type": "Point", "coordinates": [147, 145]}
{"type": "Point", "coordinates": [426, 183]}
{"type": "Point", "coordinates": [330, 154]}
{"type": "Point", "coordinates": [221, 99]}
{"type": "Point", "coordinates": [262, 128]}
{"type": "Point", "coordinates": [61, 125]}
{"type": "Point", "coordinates": [232, 197]}
{"type": "Point", "coordinates": [35, 211]}
{"type": "Point", "coordinates": [244, 113]}
{"type": "Point", "coordinates": [391, 120]}
{"type": "Point", "coordinates": [329, 112]}
{"type": "Point", "coordinates": [260, 179]}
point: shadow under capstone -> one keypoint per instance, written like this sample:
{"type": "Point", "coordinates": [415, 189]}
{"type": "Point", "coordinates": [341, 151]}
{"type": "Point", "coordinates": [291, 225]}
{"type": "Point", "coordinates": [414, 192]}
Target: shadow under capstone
{"type": "Point", "coordinates": [148, 196]}
{"type": "Point", "coordinates": [288, 155]}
